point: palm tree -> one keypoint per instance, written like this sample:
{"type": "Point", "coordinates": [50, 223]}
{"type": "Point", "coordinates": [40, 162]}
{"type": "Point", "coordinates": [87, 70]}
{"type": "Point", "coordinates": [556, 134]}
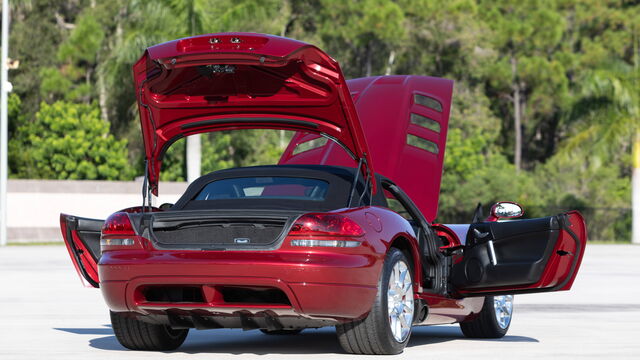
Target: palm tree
{"type": "Point", "coordinates": [608, 108]}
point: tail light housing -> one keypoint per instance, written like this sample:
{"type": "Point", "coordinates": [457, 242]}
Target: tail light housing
{"type": "Point", "coordinates": [118, 233]}
{"type": "Point", "coordinates": [118, 224]}
{"type": "Point", "coordinates": [326, 230]}
{"type": "Point", "coordinates": [321, 224]}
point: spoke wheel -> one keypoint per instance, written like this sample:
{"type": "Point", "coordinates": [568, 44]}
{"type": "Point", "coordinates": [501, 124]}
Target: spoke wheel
{"type": "Point", "coordinates": [494, 319]}
{"type": "Point", "coordinates": [503, 309]}
{"type": "Point", "coordinates": [400, 301]}
{"type": "Point", "coordinates": [387, 328]}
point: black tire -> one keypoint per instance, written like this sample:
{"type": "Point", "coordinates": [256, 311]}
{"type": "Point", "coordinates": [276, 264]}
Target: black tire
{"type": "Point", "coordinates": [281, 332]}
{"type": "Point", "coordinates": [486, 325]}
{"type": "Point", "coordinates": [138, 335]}
{"type": "Point", "coordinates": [372, 335]}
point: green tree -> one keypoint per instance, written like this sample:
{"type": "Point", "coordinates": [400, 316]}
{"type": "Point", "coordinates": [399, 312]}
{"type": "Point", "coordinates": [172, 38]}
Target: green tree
{"type": "Point", "coordinates": [606, 116]}
{"type": "Point", "coordinates": [14, 113]}
{"type": "Point", "coordinates": [78, 55]}
{"type": "Point", "coordinates": [37, 29]}
{"type": "Point", "coordinates": [363, 35]}
{"type": "Point", "coordinates": [228, 149]}
{"type": "Point", "coordinates": [446, 38]}
{"type": "Point", "coordinates": [526, 76]}
{"type": "Point", "coordinates": [68, 141]}
{"type": "Point", "coordinates": [475, 170]}
{"type": "Point", "coordinates": [584, 180]}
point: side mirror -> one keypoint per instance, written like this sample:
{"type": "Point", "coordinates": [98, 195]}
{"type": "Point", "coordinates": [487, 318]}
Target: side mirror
{"type": "Point", "coordinates": [505, 210]}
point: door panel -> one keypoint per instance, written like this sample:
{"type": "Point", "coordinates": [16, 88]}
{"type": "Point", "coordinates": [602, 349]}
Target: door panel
{"type": "Point", "coordinates": [82, 238]}
{"type": "Point", "coordinates": [521, 256]}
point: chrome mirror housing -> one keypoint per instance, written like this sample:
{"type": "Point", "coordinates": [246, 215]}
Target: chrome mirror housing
{"type": "Point", "coordinates": [506, 210]}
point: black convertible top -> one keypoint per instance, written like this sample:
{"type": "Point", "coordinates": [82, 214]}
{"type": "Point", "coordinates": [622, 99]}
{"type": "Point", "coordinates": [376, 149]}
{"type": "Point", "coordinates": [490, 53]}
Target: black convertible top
{"type": "Point", "coordinates": [340, 181]}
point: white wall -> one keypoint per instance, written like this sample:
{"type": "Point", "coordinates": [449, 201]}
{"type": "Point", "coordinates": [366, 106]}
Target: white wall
{"type": "Point", "coordinates": [34, 206]}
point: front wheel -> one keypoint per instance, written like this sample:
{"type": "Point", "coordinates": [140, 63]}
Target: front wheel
{"type": "Point", "coordinates": [137, 335]}
{"type": "Point", "coordinates": [493, 320]}
{"type": "Point", "coordinates": [387, 328]}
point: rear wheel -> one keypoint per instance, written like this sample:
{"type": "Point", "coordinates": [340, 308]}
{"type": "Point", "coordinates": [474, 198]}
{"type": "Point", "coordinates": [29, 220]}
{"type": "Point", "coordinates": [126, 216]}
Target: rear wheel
{"type": "Point", "coordinates": [494, 318]}
{"type": "Point", "coordinates": [387, 328]}
{"type": "Point", "coordinates": [137, 335]}
{"type": "Point", "coordinates": [282, 332]}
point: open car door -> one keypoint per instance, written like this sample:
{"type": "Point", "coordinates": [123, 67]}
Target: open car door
{"type": "Point", "coordinates": [82, 238]}
{"type": "Point", "coordinates": [521, 256]}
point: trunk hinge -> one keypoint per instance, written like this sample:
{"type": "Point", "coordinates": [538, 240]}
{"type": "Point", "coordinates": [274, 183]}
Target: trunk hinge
{"type": "Point", "coordinates": [367, 184]}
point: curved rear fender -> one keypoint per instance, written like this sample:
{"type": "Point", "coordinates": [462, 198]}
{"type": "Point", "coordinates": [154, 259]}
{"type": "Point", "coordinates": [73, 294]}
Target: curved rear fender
{"type": "Point", "coordinates": [386, 229]}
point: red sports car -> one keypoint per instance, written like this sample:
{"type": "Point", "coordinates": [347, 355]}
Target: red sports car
{"type": "Point", "coordinates": [339, 233]}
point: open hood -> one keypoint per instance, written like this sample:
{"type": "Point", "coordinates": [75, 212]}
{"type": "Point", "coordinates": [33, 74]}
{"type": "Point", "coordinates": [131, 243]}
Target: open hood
{"type": "Point", "coordinates": [405, 120]}
{"type": "Point", "coordinates": [234, 81]}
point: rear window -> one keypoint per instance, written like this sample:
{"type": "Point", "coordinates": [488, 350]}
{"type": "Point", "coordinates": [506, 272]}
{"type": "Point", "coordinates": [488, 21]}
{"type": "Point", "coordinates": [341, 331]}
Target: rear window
{"type": "Point", "coordinates": [265, 187]}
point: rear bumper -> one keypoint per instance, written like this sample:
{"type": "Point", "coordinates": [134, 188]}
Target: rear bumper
{"type": "Point", "coordinates": [318, 285]}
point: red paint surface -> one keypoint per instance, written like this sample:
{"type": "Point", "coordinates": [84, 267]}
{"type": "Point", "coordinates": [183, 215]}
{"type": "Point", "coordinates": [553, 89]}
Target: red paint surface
{"type": "Point", "coordinates": [312, 278]}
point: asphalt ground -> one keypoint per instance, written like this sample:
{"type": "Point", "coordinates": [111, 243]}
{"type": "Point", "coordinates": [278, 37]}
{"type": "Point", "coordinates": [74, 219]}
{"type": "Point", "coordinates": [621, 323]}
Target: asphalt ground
{"type": "Point", "coordinates": [45, 313]}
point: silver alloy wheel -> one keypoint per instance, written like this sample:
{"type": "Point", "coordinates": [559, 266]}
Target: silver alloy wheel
{"type": "Point", "coordinates": [503, 306]}
{"type": "Point", "coordinates": [400, 301]}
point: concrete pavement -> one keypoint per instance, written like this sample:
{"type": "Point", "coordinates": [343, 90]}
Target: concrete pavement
{"type": "Point", "coordinates": [46, 313]}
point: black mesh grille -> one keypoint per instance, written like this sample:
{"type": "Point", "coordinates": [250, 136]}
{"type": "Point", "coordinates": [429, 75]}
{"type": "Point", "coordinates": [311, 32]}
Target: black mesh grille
{"type": "Point", "coordinates": [228, 234]}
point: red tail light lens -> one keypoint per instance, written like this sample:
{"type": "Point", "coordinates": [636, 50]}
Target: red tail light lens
{"type": "Point", "coordinates": [118, 224]}
{"type": "Point", "coordinates": [321, 224]}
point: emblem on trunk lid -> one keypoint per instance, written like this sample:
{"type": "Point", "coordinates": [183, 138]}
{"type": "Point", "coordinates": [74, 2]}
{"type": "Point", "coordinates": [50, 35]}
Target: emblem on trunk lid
{"type": "Point", "coordinates": [241, 240]}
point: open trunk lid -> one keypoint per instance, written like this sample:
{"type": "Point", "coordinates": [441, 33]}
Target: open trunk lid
{"type": "Point", "coordinates": [237, 81]}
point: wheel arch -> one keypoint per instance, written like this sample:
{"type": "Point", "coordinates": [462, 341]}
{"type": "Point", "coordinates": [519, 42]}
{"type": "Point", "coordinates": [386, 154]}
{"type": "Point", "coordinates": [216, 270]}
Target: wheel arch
{"type": "Point", "coordinates": [410, 250]}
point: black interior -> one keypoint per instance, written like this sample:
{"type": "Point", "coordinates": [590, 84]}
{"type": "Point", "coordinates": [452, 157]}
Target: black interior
{"type": "Point", "coordinates": [88, 231]}
{"type": "Point", "coordinates": [522, 250]}
{"type": "Point", "coordinates": [433, 267]}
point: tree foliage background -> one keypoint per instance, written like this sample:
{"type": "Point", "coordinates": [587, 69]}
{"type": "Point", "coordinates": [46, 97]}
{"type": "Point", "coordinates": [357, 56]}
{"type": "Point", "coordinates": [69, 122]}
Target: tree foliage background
{"type": "Point", "coordinates": [545, 109]}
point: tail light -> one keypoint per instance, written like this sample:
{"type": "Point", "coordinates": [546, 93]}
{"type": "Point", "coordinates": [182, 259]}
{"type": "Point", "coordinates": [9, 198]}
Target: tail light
{"type": "Point", "coordinates": [325, 225]}
{"type": "Point", "coordinates": [118, 233]}
{"type": "Point", "coordinates": [118, 224]}
{"type": "Point", "coordinates": [325, 243]}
